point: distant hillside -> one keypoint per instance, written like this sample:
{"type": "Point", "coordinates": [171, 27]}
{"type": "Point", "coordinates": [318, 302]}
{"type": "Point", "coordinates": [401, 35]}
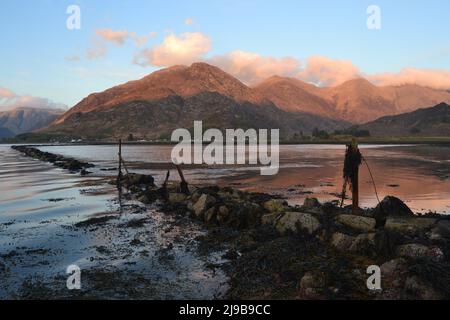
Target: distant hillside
{"type": "Point", "coordinates": [22, 120]}
{"type": "Point", "coordinates": [6, 133]}
{"type": "Point", "coordinates": [174, 97]}
{"type": "Point", "coordinates": [157, 119]}
{"type": "Point", "coordinates": [356, 100]}
{"type": "Point", "coordinates": [434, 121]}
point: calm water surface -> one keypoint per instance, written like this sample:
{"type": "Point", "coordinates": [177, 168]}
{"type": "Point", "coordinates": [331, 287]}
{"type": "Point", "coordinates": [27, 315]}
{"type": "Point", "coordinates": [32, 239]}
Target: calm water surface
{"type": "Point", "coordinates": [418, 174]}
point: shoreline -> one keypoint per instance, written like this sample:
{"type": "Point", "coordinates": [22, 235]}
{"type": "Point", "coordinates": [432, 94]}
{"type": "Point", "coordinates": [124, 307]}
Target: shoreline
{"type": "Point", "coordinates": [313, 251]}
{"type": "Point", "coordinates": [340, 141]}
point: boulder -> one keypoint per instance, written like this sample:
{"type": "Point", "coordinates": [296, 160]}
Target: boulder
{"type": "Point", "coordinates": [421, 289]}
{"type": "Point", "coordinates": [176, 197]}
{"type": "Point", "coordinates": [363, 243]}
{"type": "Point", "coordinates": [409, 225]}
{"type": "Point", "coordinates": [394, 267]}
{"type": "Point", "coordinates": [441, 230]}
{"type": "Point", "coordinates": [364, 224]}
{"type": "Point", "coordinates": [275, 205]}
{"type": "Point", "coordinates": [144, 199]}
{"type": "Point", "coordinates": [223, 214]}
{"type": "Point", "coordinates": [341, 241]}
{"type": "Point", "coordinates": [311, 203]}
{"type": "Point", "coordinates": [391, 207]}
{"type": "Point", "coordinates": [270, 218]}
{"type": "Point", "coordinates": [312, 284]}
{"type": "Point", "coordinates": [419, 251]}
{"type": "Point", "coordinates": [133, 179]}
{"type": "Point", "coordinates": [297, 221]}
{"type": "Point", "coordinates": [254, 214]}
{"type": "Point", "coordinates": [204, 202]}
{"type": "Point", "coordinates": [210, 215]}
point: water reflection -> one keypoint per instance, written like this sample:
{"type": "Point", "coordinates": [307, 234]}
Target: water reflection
{"type": "Point", "coordinates": [416, 173]}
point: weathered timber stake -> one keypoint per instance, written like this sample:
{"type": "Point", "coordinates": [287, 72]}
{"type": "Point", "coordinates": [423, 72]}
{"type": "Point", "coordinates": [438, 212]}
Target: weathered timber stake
{"type": "Point", "coordinates": [164, 191]}
{"type": "Point", "coordinates": [119, 174]}
{"type": "Point", "coordinates": [183, 184]}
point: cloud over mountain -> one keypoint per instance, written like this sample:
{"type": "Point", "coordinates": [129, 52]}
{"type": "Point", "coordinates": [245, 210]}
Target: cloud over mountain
{"type": "Point", "coordinates": [10, 100]}
{"type": "Point", "coordinates": [183, 49]}
{"type": "Point", "coordinates": [252, 67]}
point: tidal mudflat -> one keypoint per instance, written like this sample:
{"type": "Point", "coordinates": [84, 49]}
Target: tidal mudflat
{"type": "Point", "coordinates": [50, 219]}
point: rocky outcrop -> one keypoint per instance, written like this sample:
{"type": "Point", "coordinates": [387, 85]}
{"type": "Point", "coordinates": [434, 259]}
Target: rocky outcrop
{"type": "Point", "coordinates": [73, 165]}
{"type": "Point", "coordinates": [359, 223]}
{"type": "Point", "coordinates": [296, 222]}
{"type": "Point", "coordinates": [410, 225]}
{"type": "Point", "coordinates": [391, 207]}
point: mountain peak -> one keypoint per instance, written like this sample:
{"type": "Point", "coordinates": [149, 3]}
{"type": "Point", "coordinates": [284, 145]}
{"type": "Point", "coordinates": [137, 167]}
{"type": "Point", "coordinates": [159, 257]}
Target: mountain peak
{"type": "Point", "coordinates": [184, 81]}
{"type": "Point", "coordinates": [357, 83]}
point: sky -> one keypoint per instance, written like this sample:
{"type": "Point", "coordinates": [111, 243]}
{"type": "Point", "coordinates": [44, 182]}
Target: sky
{"type": "Point", "coordinates": [45, 63]}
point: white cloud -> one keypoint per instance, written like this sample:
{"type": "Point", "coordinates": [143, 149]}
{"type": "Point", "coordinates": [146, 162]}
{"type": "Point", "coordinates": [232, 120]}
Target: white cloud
{"type": "Point", "coordinates": [117, 37]}
{"type": "Point", "coordinates": [328, 72]}
{"type": "Point", "coordinates": [9, 100]}
{"type": "Point", "coordinates": [102, 37]}
{"type": "Point", "coordinates": [251, 67]}
{"type": "Point", "coordinates": [184, 49]}
{"type": "Point", "coordinates": [438, 79]}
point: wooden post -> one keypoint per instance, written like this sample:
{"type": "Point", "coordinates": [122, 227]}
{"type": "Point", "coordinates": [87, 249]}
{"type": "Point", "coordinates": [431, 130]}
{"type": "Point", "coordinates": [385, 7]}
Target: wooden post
{"type": "Point", "coordinates": [183, 185]}
{"type": "Point", "coordinates": [355, 180]}
{"type": "Point", "coordinates": [119, 175]}
{"type": "Point", "coordinates": [163, 191]}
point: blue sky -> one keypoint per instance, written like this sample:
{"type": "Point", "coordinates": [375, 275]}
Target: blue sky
{"type": "Point", "coordinates": [40, 57]}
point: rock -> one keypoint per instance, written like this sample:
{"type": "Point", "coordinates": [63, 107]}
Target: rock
{"type": "Point", "coordinates": [435, 254]}
{"type": "Point", "coordinates": [311, 203]}
{"type": "Point", "coordinates": [409, 225]}
{"type": "Point", "coordinates": [394, 267]}
{"type": "Point", "coordinates": [311, 285]}
{"type": "Point", "coordinates": [270, 218]}
{"type": "Point", "coordinates": [203, 203]}
{"type": "Point", "coordinates": [223, 214]}
{"type": "Point", "coordinates": [441, 230]}
{"type": "Point", "coordinates": [391, 207]}
{"type": "Point", "coordinates": [363, 243]}
{"type": "Point", "coordinates": [252, 213]}
{"type": "Point", "coordinates": [275, 205]}
{"type": "Point", "coordinates": [133, 179]}
{"type": "Point", "coordinates": [341, 241]}
{"type": "Point", "coordinates": [418, 251]}
{"type": "Point", "coordinates": [297, 221]}
{"type": "Point", "coordinates": [412, 250]}
{"type": "Point", "coordinates": [246, 241]}
{"type": "Point", "coordinates": [210, 215]}
{"type": "Point", "coordinates": [176, 197]}
{"type": "Point", "coordinates": [364, 224]}
{"type": "Point", "coordinates": [144, 199]}
{"type": "Point", "coordinates": [420, 289]}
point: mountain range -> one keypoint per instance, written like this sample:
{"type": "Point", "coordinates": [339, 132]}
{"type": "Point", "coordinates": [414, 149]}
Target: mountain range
{"type": "Point", "coordinates": [174, 97]}
{"type": "Point", "coordinates": [430, 122]}
{"type": "Point", "coordinates": [21, 120]}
